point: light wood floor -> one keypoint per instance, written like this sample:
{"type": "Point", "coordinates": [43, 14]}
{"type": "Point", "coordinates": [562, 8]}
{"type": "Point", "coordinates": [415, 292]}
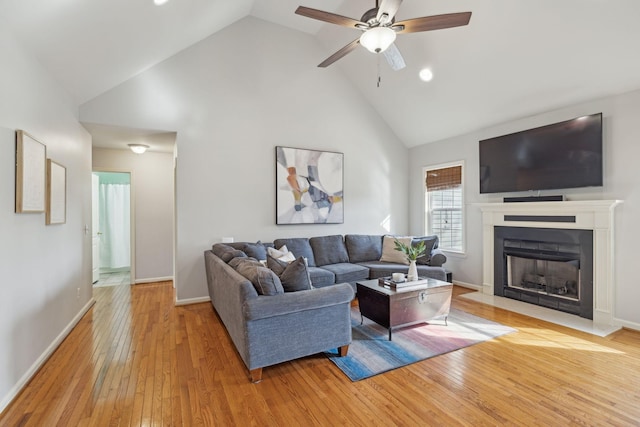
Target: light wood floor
{"type": "Point", "coordinates": [136, 360]}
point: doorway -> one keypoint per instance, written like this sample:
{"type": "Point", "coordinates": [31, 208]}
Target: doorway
{"type": "Point", "coordinates": [111, 197]}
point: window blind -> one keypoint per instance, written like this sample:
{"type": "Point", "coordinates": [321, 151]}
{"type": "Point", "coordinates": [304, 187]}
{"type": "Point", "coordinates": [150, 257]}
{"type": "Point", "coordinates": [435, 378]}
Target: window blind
{"type": "Point", "coordinates": [445, 178]}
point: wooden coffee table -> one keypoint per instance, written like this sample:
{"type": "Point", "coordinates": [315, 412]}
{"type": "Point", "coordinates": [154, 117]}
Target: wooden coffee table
{"type": "Point", "coordinates": [395, 308]}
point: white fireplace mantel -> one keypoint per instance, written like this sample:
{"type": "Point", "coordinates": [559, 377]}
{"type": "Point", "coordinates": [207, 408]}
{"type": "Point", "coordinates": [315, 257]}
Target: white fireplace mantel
{"type": "Point", "coordinates": [596, 215]}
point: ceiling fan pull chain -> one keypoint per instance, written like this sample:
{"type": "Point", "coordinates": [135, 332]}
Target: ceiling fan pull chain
{"type": "Point", "coordinates": [378, 61]}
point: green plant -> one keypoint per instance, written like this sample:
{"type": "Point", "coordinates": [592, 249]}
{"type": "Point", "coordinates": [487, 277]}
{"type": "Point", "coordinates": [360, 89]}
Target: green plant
{"type": "Point", "coordinates": [412, 252]}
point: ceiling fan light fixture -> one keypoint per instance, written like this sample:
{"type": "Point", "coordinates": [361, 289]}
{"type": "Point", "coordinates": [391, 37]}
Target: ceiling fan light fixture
{"type": "Point", "coordinates": [377, 39]}
{"type": "Point", "coordinates": [159, 2]}
{"type": "Point", "coordinates": [138, 148]}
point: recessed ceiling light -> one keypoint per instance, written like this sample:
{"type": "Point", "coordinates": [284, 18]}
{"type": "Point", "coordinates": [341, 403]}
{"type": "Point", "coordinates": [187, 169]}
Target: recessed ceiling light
{"type": "Point", "coordinates": [160, 2]}
{"type": "Point", "coordinates": [426, 75]}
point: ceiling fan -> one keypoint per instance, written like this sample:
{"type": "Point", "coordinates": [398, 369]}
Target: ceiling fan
{"type": "Point", "coordinates": [379, 29]}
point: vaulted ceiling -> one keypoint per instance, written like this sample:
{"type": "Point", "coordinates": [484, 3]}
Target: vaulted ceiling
{"type": "Point", "coordinates": [514, 59]}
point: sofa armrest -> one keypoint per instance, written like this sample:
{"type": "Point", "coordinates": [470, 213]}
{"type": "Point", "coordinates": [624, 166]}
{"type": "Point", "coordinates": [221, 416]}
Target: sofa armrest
{"type": "Point", "coordinates": [290, 302]}
{"type": "Point", "coordinates": [438, 258]}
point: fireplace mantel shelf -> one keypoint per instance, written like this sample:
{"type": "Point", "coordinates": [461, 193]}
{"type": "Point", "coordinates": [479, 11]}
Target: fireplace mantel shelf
{"type": "Point", "coordinates": [596, 215]}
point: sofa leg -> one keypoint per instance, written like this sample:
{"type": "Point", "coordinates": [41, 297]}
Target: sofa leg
{"type": "Point", "coordinates": [255, 375]}
{"type": "Point", "coordinates": [343, 350]}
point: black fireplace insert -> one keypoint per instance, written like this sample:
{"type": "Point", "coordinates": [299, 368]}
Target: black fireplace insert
{"type": "Point", "coordinates": [545, 266]}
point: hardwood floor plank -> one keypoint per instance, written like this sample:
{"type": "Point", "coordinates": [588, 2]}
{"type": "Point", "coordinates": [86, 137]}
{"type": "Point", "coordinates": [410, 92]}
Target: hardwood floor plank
{"type": "Point", "coordinates": [136, 359]}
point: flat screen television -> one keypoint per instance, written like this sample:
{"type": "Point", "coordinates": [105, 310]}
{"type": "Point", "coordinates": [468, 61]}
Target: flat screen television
{"type": "Point", "coordinates": [560, 155]}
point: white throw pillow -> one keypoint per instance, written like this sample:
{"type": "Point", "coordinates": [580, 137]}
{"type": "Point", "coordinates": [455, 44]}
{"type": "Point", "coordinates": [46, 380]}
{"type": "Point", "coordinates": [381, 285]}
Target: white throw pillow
{"type": "Point", "coordinates": [288, 257]}
{"type": "Point", "coordinates": [282, 254]}
{"type": "Point", "coordinates": [277, 253]}
{"type": "Point", "coordinates": [389, 252]}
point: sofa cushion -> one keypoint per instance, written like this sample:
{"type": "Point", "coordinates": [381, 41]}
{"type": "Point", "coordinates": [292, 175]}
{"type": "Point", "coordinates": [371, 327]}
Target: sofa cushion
{"type": "Point", "coordinates": [256, 250]}
{"type": "Point", "coordinates": [363, 247]}
{"type": "Point", "coordinates": [321, 277]}
{"type": "Point", "coordinates": [299, 246]}
{"type": "Point", "coordinates": [430, 243]}
{"type": "Point", "coordinates": [389, 252]}
{"type": "Point", "coordinates": [226, 252]}
{"type": "Point", "coordinates": [328, 250]}
{"type": "Point", "coordinates": [346, 272]}
{"type": "Point", "coordinates": [263, 280]}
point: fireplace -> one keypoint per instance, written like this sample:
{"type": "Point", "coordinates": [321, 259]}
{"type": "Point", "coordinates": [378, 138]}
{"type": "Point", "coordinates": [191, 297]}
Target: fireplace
{"type": "Point", "coordinates": [549, 267]}
{"type": "Point", "coordinates": [595, 216]}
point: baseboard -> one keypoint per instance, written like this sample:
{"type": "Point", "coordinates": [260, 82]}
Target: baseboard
{"type": "Point", "coordinates": [22, 382]}
{"type": "Point", "coordinates": [192, 301]}
{"type": "Point", "coordinates": [468, 285]}
{"type": "Point", "coordinates": [153, 279]}
{"type": "Point", "coordinates": [627, 324]}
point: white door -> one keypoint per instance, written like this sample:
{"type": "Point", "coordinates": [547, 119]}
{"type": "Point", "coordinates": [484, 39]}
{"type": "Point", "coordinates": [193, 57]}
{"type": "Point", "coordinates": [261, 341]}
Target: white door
{"type": "Point", "coordinates": [95, 226]}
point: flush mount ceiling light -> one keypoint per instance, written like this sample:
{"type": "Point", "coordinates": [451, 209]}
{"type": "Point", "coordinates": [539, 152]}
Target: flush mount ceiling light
{"type": "Point", "coordinates": [425, 75]}
{"type": "Point", "coordinates": [377, 39]}
{"type": "Point", "coordinates": [138, 148]}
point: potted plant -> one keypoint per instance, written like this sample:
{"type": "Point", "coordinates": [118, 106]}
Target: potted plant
{"type": "Point", "coordinates": [412, 252]}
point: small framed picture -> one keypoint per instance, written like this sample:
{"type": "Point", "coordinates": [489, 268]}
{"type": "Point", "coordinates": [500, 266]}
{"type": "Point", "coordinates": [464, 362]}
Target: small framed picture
{"type": "Point", "coordinates": [56, 193]}
{"type": "Point", "coordinates": [30, 173]}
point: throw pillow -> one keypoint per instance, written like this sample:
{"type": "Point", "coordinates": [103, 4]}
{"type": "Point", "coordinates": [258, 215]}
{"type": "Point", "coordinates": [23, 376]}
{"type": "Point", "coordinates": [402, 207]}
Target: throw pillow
{"type": "Point", "coordinates": [263, 280]}
{"type": "Point", "coordinates": [430, 242]}
{"type": "Point", "coordinates": [283, 254]}
{"type": "Point", "coordinates": [277, 253]}
{"type": "Point", "coordinates": [236, 262]}
{"type": "Point", "coordinates": [226, 253]}
{"type": "Point", "coordinates": [295, 276]}
{"type": "Point", "coordinates": [255, 250]}
{"type": "Point", "coordinates": [389, 253]}
{"type": "Point", "coordinates": [276, 265]}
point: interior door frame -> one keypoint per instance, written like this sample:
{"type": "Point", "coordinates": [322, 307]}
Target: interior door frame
{"type": "Point", "coordinates": [132, 222]}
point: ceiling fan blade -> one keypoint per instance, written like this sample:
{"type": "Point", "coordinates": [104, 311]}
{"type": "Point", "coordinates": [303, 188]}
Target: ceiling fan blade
{"type": "Point", "coordinates": [394, 58]}
{"type": "Point", "coordinates": [389, 8]}
{"type": "Point", "coordinates": [435, 22]}
{"type": "Point", "coordinates": [339, 54]}
{"type": "Point", "coordinates": [331, 18]}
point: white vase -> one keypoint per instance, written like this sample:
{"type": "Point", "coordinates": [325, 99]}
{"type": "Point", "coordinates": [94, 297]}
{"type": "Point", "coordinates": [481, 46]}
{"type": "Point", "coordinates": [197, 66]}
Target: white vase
{"type": "Point", "coordinates": [413, 271]}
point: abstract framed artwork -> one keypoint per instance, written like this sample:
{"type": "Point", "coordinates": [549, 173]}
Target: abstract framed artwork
{"type": "Point", "coordinates": [309, 186]}
{"type": "Point", "coordinates": [56, 212]}
{"type": "Point", "coordinates": [30, 173]}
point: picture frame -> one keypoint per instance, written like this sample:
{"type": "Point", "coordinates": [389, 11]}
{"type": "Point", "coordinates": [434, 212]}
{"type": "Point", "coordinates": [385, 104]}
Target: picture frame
{"type": "Point", "coordinates": [56, 212]}
{"type": "Point", "coordinates": [309, 186]}
{"type": "Point", "coordinates": [30, 181]}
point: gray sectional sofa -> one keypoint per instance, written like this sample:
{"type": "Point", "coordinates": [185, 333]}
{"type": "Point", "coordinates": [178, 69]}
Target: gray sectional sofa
{"type": "Point", "coordinates": [268, 325]}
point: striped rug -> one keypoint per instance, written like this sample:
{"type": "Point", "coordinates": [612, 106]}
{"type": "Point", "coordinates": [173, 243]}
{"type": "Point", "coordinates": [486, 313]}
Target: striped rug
{"type": "Point", "coordinates": [371, 353]}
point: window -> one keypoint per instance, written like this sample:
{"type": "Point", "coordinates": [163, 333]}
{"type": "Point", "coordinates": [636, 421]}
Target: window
{"type": "Point", "coordinates": [444, 205]}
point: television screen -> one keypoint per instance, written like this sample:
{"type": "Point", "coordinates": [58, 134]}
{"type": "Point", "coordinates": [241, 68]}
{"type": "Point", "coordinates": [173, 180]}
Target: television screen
{"type": "Point", "coordinates": [561, 155]}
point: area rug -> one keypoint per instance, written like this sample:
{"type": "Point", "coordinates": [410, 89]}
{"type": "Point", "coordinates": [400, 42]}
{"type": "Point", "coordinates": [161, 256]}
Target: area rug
{"type": "Point", "coordinates": [371, 353]}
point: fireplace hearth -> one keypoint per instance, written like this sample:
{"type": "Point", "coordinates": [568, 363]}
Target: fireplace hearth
{"type": "Point", "coordinates": [544, 266]}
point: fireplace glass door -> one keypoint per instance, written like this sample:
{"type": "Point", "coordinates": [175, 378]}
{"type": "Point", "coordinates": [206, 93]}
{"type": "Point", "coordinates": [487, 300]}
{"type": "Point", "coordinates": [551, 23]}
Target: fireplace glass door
{"type": "Point", "coordinates": [549, 277]}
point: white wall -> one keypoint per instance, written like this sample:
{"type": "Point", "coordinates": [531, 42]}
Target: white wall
{"type": "Point", "coordinates": [42, 266]}
{"type": "Point", "coordinates": [621, 181]}
{"type": "Point", "coordinates": [232, 98]}
{"type": "Point", "coordinates": [153, 203]}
